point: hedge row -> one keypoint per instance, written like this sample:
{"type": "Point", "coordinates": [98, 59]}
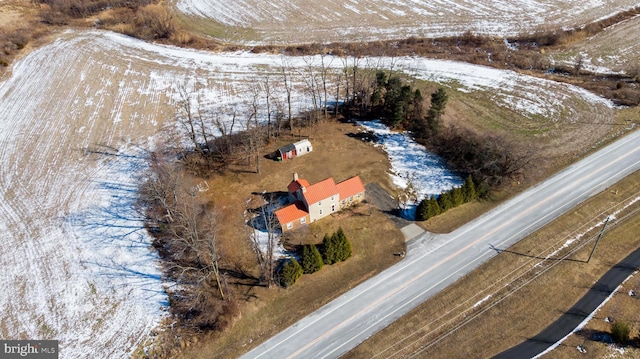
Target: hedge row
{"type": "Point", "coordinates": [335, 248]}
{"type": "Point", "coordinates": [432, 206]}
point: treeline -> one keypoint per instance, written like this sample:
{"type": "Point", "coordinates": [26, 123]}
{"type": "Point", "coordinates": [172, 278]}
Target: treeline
{"type": "Point", "coordinates": [335, 248]}
{"type": "Point", "coordinates": [399, 105]}
{"type": "Point", "coordinates": [489, 158]}
{"type": "Point", "coordinates": [143, 19]}
{"type": "Point", "coordinates": [185, 233]}
{"type": "Point", "coordinates": [60, 12]}
{"type": "Point", "coordinates": [432, 206]}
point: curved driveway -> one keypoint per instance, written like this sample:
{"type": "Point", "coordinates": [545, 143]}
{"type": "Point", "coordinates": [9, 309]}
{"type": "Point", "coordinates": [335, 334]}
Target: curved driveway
{"type": "Point", "coordinates": [435, 261]}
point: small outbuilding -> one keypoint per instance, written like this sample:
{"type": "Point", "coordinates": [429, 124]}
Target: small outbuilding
{"type": "Point", "coordinates": [294, 149]}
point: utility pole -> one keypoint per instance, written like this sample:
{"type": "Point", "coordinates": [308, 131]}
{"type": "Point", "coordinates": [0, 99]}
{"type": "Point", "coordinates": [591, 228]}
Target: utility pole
{"type": "Point", "coordinates": [599, 236]}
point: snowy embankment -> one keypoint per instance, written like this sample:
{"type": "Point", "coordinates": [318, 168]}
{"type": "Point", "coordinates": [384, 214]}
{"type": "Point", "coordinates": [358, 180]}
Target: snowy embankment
{"type": "Point", "coordinates": [413, 166]}
{"type": "Point", "coordinates": [370, 20]}
{"type": "Point", "coordinates": [76, 117]}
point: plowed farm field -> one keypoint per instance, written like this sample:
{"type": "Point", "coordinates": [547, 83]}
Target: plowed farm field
{"type": "Point", "coordinates": [77, 117]}
{"type": "Point", "coordinates": [300, 21]}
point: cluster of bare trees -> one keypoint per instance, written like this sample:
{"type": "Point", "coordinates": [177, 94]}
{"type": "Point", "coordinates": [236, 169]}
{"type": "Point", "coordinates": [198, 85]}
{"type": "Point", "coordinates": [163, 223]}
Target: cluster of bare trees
{"type": "Point", "coordinates": [490, 158]}
{"type": "Point", "coordinates": [262, 233]}
{"type": "Point", "coordinates": [186, 236]}
{"type": "Point", "coordinates": [238, 136]}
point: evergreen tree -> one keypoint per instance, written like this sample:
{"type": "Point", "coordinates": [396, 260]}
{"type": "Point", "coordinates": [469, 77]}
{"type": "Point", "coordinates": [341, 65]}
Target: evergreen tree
{"type": "Point", "coordinates": [428, 208]}
{"type": "Point", "coordinates": [422, 213]}
{"type": "Point", "coordinates": [416, 106]}
{"type": "Point", "coordinates": [445, 201]}
{"type": "Point", "coordinates": [620, 332]}
{"type": "Point", "coordinates": [391, 97]}
{"type": "Point", "coordinates": [436, 110]}
{"type": "Point", "coordinates": [328, 249]}
{"type": "Point", "coordinates": [433, 207]}
{"type": "Point", "coordinates": [311, 259]}
{"type": "Point", "coordinates": [376, 96]}
{"type": "Point", "coordinates": [291, 272]}
{"type": "Point", "coordinates": [457, 196]}
{"type": "Point", "coordinates": [469, 190]}
{"type": "Point", "coordinates": [343, 246]}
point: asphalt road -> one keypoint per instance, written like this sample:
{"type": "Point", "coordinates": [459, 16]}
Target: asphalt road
{"type": "Point", "coordinates": [435, 261]}
{"type": "Point", "coordinates": [570, 320]}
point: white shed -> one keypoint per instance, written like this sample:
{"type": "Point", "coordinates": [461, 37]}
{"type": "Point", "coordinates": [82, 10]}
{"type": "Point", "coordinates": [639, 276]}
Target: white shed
{"type": "Point", "coordinates": [303, 147]}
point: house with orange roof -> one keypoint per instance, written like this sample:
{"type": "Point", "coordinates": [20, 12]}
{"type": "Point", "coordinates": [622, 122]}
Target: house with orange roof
{"type": "Point", "coordinates": [311, 202]}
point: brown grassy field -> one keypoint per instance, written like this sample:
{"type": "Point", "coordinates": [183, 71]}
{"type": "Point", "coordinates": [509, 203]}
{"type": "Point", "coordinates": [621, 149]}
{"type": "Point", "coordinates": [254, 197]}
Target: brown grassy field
{"type": "Point", "coordinates": [516, 295]}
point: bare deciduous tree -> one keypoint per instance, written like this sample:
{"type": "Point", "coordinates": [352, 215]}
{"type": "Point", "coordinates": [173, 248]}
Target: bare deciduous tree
{"type": "Point", "coordinates": [162, 189]}
{"type": "Point", "coordinates": [288, 86]}
{"type": "Point", "coordinates": [193, 242]}
{"type": "Point", "coordinates": [267, 94]}
{"type": "Point", "coordinates": [324, 69]}
{"type": "Point", "coordinates": [187, 119]}
{"type": "Point", "coordinates": [263, 221]}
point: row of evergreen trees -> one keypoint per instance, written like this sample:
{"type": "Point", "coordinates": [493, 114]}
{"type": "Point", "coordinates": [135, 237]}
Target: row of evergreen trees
{"type": "Point", "coordinates": [432, 206]}
{"type": "Point", "coordinates": [335, 248]}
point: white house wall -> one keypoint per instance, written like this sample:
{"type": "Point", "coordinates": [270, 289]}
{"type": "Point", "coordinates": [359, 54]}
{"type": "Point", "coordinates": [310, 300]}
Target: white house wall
{"type": "Point", "coordinates": [324, 208]}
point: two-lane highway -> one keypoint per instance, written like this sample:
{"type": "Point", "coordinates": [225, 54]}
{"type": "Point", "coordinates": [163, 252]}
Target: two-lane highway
{"type": "Point", "coordinates": [435, 261]}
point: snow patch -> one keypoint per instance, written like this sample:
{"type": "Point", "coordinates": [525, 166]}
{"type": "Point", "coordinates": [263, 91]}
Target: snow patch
{"type": "Point", "coordinates": [478, 303]}
{"type": "Point", "coordinates": [413, 165]}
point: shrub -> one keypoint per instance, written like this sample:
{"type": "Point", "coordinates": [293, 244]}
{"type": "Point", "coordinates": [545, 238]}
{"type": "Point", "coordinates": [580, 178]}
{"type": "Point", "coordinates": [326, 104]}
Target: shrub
{"type": "Point", "coordinates": [469, 190]}
{"type": "Point", "coordinates": [291, 272]}
{"type": "Point", "coordinates": [311, 259]}
{"type": "Point", "coordinates": [336, 248]}
{"type": "Point", "coordinates": [620, 332]}
{"type": "Point", "coordinates": [344, 251]}
{"type": "Point", "coordinates": [428, 208]}
{"type": "Point", "coordinates": [328, 250]}
{"type": "Point", "coordinates": [154, 22]}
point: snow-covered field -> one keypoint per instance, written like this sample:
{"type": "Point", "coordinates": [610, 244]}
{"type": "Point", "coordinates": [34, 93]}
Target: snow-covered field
{"type": "Point", "coordinates": [362, 20]}
{"type": "Point", "coordinates": [76, 116]}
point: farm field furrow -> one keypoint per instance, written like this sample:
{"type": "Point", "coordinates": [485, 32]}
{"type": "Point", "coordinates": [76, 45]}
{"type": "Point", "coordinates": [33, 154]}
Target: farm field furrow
{"type": "Point", "coordinates": [365, 20]}
{"type": "Point", "coordinates": [76, 117]}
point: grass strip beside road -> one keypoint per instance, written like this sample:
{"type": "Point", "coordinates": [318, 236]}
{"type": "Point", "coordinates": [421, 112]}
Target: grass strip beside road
{"type": "Point", "coordinates": [506, 317]}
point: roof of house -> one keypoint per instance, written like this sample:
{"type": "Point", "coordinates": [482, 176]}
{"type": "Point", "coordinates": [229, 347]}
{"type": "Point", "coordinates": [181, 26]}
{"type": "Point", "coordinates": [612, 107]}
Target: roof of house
{"type": "Point", "coordinates": [287, 148]}
{"type": "Point", "coordinates": [321, 190]}
{"type": "Point", "coordinates": [350, 187]}
{"type": "Point", "coordinates": [291, 212]}
{"type": "Point", "coordinates": [297, 184]}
